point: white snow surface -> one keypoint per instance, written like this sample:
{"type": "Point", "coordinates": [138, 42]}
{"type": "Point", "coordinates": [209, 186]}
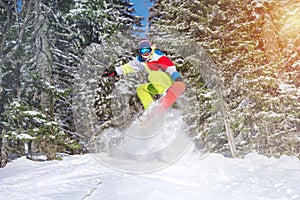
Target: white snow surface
{"type": "Point", "coordinates": [192, 177]}
{"type": "Point", "coordinates": [175, 171]}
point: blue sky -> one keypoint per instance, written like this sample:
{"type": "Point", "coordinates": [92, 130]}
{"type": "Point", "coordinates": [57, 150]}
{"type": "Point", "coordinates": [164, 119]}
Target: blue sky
{"type": "Point", "coordinates": [141, 8]}
{"type": "Point", "coordinates": [19, 5]}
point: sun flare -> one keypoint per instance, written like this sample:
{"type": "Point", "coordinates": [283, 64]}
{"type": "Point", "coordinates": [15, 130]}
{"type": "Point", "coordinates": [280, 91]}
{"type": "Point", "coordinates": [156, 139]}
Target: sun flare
{"type": "Point", "coordinates": [291, 22]}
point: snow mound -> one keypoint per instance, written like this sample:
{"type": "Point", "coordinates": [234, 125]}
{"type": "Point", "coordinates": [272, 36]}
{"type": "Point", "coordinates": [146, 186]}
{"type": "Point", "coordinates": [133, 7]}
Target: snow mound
{"type": "Point", "coordinates": [214, 177]}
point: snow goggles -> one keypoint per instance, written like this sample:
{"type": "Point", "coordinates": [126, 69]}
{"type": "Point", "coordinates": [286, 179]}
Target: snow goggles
{"type": "Point", "coordinates": [145, 51]}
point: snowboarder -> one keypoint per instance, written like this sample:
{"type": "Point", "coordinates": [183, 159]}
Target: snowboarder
{"type": "Point", "coordinates": [160, 70]}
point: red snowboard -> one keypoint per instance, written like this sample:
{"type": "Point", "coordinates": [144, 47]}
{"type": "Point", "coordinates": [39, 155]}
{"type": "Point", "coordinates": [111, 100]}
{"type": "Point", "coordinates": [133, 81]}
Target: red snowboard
{"type": "Point", "coordinates": [175, 91]}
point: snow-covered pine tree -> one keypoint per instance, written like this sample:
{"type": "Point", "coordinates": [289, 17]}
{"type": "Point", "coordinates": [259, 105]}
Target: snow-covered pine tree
{"type": "Point", "coordinates": [97, 100]}
{"type": "Point", "coordinates": [207, 115]}
{"type": "Point", "coordinates": [41, 64]}
{"type": "Point", "coordinates": [34, 82]}
{"type": "Point", "coordinates": [257, 55]}
{"type": "Point", "coordinates": [13, 33]}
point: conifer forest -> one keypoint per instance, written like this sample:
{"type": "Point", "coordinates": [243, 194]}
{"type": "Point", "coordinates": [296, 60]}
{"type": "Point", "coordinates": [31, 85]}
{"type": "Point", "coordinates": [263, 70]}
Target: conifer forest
{"type": "Point", "coordinates": [239, 58]}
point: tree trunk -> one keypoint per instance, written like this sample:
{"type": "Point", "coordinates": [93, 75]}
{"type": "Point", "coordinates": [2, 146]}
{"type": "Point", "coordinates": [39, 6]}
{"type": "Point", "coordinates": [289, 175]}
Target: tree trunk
{"type": "Point", "coordinates": [229, 132]}
{"type": "Point", "coordinates": [44, 60]}
{"type": "Point", "coordinates": [3, 153]}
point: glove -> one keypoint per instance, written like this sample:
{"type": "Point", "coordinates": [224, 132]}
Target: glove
{"type": "Point", "coordinates": [176, 76]}
{"type": "Point", "coordinates": [109, 72]}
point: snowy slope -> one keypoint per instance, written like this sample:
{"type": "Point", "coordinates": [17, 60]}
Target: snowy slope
{"type": "Point", "coordinates": [178, 171]}
{"type": "Point", "coordinates": [190, 178]}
